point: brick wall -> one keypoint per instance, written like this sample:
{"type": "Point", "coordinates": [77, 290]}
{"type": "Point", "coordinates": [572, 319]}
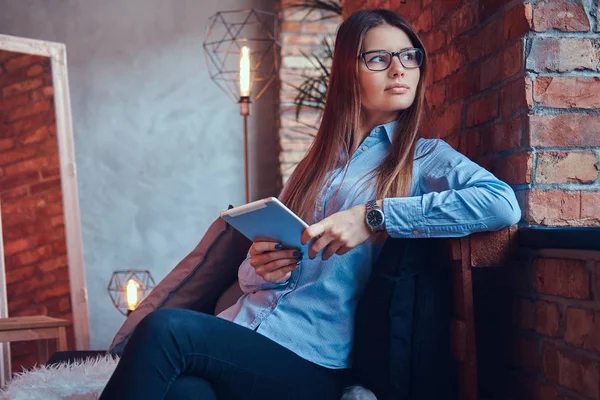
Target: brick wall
{"type": "Point", "coordinates": [299, 34]}
{"type": "Point", "coordinates": [516, 87]}
{"type": "Point", "coordinates": [30, 193]}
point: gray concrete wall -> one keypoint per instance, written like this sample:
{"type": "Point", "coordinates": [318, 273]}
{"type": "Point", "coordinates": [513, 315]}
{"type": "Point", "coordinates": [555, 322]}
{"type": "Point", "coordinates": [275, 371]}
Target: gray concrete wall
{"type": "Point", "coordinates": [158, 146]}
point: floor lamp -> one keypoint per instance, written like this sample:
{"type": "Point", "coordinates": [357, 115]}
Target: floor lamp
{"type": "Point", "coordinates": [241, 50]}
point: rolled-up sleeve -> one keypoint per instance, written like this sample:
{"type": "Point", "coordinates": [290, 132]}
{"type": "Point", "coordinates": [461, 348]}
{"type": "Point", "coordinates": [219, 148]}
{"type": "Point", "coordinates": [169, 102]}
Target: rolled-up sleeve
{"type": "Point", "coordinates": [459, 198]}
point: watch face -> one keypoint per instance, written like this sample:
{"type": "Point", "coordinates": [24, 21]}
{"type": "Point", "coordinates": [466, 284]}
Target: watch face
{"type": "Point", "coordinates": [375, 218]}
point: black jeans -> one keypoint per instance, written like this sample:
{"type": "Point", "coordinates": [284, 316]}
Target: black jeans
{"type": "Point", "coordinates": [184, 354]}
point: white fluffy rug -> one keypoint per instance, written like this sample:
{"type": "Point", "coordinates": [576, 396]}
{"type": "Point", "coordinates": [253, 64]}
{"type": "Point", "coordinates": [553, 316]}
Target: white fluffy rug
{"type": "Point", "coordinates": [77, 381]}
{"type": "Point", "coordinates": [85, 380]}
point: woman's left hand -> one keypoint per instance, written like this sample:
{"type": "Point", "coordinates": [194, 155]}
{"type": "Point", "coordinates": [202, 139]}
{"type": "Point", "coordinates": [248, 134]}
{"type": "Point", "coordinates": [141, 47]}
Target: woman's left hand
{"type": "Point", "coordinates": [339, 233]}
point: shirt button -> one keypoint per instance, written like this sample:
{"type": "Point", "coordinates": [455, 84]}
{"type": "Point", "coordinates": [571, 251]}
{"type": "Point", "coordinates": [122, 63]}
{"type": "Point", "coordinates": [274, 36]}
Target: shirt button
{"type": "Point", "coordinates": [378, 129]}
{"type": "Point", "coordinates": [364, 148]}
{"type": "Point", "coordinates": [292, 285]}
{"type": "Point", "coordinates": [416, 232]}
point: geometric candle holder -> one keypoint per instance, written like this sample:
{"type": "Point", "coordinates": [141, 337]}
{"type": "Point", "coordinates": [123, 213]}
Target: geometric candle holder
{"type": "Point", "coordinates": [128, 288]}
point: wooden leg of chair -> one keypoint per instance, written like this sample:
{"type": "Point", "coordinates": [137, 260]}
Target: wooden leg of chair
{"type": "Point", "coordinates": [463, 324]}
{"type": "Point", "coordinates": [62, 339]}
{"type": "Point", "coordinates": [42, 351]}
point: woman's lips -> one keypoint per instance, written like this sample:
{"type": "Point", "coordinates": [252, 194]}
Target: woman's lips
{"type": "Point", "coordinates": [397, 90]}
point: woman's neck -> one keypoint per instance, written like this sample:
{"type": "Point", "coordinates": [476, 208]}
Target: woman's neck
{"type": "Point", "coordinates": [370, 120]}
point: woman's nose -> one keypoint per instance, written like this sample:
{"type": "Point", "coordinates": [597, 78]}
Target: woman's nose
{"type": "Point", "coordinates": [396, 68]}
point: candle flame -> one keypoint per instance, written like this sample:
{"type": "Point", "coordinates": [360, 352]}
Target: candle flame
{"type": "Point", "coordinates": [245, 72]}
{"type": "Point", "coordinates": [132, 294]}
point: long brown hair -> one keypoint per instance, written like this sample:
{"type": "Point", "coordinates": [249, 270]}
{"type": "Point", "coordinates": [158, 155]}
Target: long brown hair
{"type": "Point", "coordinates": [341, 116]}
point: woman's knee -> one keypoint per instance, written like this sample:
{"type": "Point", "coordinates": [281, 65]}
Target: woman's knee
{"type": "Point", "coordinates": [162, 320]}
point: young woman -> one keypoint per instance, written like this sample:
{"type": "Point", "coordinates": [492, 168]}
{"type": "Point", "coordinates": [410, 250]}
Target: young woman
{"type": "Point", "coordinates": [367, 175]}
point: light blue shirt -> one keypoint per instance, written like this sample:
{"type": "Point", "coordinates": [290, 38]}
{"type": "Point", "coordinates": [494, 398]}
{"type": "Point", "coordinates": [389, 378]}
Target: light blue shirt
{"type": "Point", "coordinates": [312, 313]}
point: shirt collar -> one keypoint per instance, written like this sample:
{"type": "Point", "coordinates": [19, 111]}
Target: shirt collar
{"type": "Point", "coordinates": [389, 129]}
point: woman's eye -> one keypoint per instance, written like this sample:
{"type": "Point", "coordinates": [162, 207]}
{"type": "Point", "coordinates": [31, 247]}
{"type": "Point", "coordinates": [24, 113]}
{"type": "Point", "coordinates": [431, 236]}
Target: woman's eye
{"type": "Point", "coordinates": [377, 59]}
{"type": "Point", "coordinates": [409, 56]}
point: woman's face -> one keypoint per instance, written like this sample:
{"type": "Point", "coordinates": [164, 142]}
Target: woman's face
{"type": "Point", "coordinates": [378, 94]}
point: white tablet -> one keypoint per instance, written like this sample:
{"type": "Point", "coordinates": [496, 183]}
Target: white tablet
{"type": "Point", "coordinates": [268, 219]}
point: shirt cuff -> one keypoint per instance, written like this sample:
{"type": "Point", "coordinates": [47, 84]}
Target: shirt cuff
{"type": "Point", "coordinates": [404, 217]}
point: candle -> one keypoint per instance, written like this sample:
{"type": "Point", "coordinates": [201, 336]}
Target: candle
{"type": "Point", "coordinates": [132, 294]}
{"type": "Point", "coordinates": [245, 72]}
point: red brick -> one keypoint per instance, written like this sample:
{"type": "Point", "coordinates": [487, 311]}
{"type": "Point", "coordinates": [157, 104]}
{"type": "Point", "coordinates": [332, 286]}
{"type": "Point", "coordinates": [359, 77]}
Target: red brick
{"type": "Point", "coordinates": [487, 8]}
{"type": "Point", "coordinates": [59, 305]}
{"type": "Point", "coordinates": [580, 374]}
{"type": "Point", "coordinates": [6, 144]}
{"type": "Point", "coordinates": [563, 15]}
{"type": "Point", "coordinates": [315, 27]}
{"type": "Point", "coordinates": [48, 91]}
{"type": "Point", "coordinates": [300, 39]}
{"type": "Point", "coordinates": [38, 135]}
{"type": "Point", "coordinates": [436, 95]}
{"type": "Point", "coordinates": [590, 208]}
{"type": "Point", "coordinates": [21, 87]}
{"type": "Point", "coordinates": [442, 10]}
{"type": "Point", "coordinates": [514, 97]}
{"type": "Point", "coordinates": [18, 154]}
{"type": "Point", "coordinates": [58, 220]}
{"type": "Point", "coordinates": [27, 166]}
{"type": "Point", "coordinates": [290, 26]}
{"type": "Point", "coordinates": [550, 361]}
{"type": "Point", "coordinates": [53, 264]}
{"type": "Point", "coordinates": [35, 70]}
{"type": "Point", "coordinates": [546, 318]}
{"type": "Point", "coordinates": [45, 185]}
{"type": "Point", "coordinates": [567, 92]}
{"type": "Point", "coordinates": [583, 328]}
{"type": "Point", "coordinates": [502, 66]}
{"type": "Point", "coordinates": [526, 312]}
{"type": "Point", "coordinates": [447, 120]}
{"type": "Point", "coordinates": [545, 392]}
{"type": "Point", "coordinates": [14, 101]}
{"type": "Point", "coordinates": [15, 275]}
{"type": "Point", "coordinates": [566, 167]}
{"type": "Point", "coordinates": [24, 125]}
{"type": "Point", "coordinates": [564, 54]}
{"type": "Point", "coordinates": [463, 84]}
{"type": "Point", "coordinates": [526, 354]}
{"type": "Point", "coordinates": [29, 110]}
{"type": "Point", "coordinates": [37, 284]}
{"type": "Point", "coordinates": [14, 246]}
{"type": "Point", "coordinates": [21, 61]}
{"type": "Point", "coordinates": [14, 194]}
{"type": "Point", "coordinates": [515, 23]}
{"type": "Point", "coordinates": [52, 292]}
{"type": "Point", "coordinates": [561, 277]}
{"type": "Point", "coordinates": [553, 207]}
{"type": "Point", "coordinates": [463, 20]}
{"type": "Point", "coordinates": [507, 135]}
{"type": "Point", "coordinates": [447, 62]}
{"type": "Point", "coordinates": [434, 40]}
{"type": "Point", "coordinates": [424, 22]}
{"type": "Point", "coordinates": [515, 168]}
{"type": "Point", "coordinates": [28, 257]}
{"type": "Point", "coordinates": [483, 109]}
{"type": "Point", "coordinates": [565, 130]}
{"type": "Point", "coordinates": [487, 40]}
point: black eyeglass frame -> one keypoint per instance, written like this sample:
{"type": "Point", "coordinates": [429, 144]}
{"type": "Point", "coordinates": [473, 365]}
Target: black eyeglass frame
{"type": "Point", "coordinates": [392, 55]}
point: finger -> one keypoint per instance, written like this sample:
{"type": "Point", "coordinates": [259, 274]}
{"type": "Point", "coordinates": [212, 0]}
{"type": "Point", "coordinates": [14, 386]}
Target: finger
{"type": "Point", "coordinates": [267, 257]}
{"type": "Point", "coordinates": [315, 230]}
{"type": "Point", "coordinates": [265, 246]}
{"type": "Point", "coordinates": [331, 250]}
{"type": "Point", "coordinates": [343, 250]}
{"type": "Point", "coordinates": [274, 265]}
{"type": "Point", "coordinates": [319, 245]}
{"type": "Point", "coordinates": [280, 275]}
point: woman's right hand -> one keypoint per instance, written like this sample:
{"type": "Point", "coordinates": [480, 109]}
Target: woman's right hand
{"type": "Point", "coordinates": [272, 262]}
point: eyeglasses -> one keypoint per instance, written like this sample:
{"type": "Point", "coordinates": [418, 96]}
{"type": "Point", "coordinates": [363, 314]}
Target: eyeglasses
{"type": "Point", "coordinates": [380, 60]}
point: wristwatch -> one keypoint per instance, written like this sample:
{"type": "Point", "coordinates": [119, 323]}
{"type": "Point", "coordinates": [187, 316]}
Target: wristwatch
{"type": "Point", "coordinates": [374, 217]}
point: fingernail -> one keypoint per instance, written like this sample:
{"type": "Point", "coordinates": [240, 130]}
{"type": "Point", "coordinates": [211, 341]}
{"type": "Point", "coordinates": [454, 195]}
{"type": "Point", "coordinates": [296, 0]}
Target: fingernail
{"type": "Point", "coordinates": [297, 254]}
{"type": "Point", "coordinates": [278, 246]}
